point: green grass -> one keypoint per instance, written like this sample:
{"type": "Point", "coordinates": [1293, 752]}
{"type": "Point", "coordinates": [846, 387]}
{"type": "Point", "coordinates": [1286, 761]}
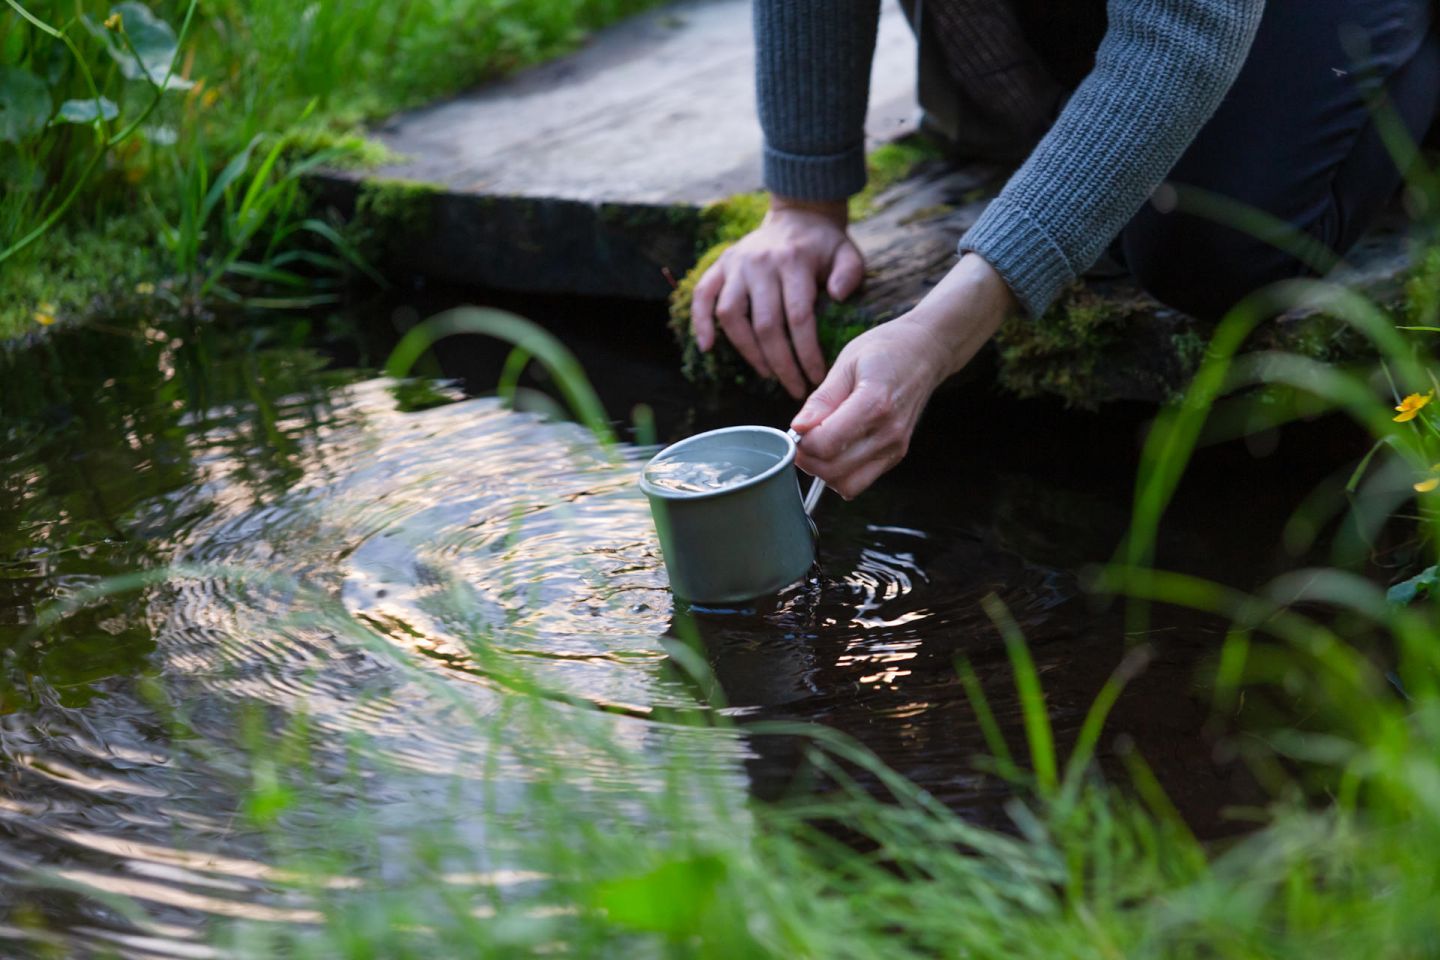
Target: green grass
{"type": "Point", "coordinates": [669, 858]}
{"type": "Point", "coordinates": [672, 860]}
{"type": "Point", "coordinates": [1340, 865]}
{"type": "Point", "coordinates": [306, 75]}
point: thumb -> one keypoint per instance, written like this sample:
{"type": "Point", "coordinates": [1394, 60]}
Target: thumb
{"type": "Point", "coordinates": [838, 385]}
{"type": "Point", "coordinates": [846, 272]}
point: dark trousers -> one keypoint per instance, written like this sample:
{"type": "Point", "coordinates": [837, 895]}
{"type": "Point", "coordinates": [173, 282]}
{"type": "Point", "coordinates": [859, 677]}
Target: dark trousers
{"type": "Point", "coordinates": [1297, 138]}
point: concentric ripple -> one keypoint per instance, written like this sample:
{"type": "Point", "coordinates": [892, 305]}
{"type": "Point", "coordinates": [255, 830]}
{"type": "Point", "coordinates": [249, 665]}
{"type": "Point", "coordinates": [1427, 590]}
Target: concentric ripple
{"type": "Point", "coordinates": [349, 569]}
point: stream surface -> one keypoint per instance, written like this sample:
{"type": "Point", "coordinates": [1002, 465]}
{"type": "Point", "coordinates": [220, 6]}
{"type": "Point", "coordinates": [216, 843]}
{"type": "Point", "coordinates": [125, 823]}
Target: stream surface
{"type": "Point", "coordinates": [310, 510]}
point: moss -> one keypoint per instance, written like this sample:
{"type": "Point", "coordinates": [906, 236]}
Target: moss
{"type": "Point", "coordinates": [726, 221]}
{"type": "Point", "coordinates": [389, 212]}
{"type": "Point", "coordinates": [1059, 354]}
{"type": "Point", "coordinates": [77, 269]}
{"type": "Point", "coordinates": [1317, 336]}
{"type": "Point", "coordinates": [1189, 345]}
{"type": "Point", "coordinates": [886, 166]}
{"type": "Point", "coordinates": [349, 150]}
{"type": "Point", "coordinates": [1422, 289]}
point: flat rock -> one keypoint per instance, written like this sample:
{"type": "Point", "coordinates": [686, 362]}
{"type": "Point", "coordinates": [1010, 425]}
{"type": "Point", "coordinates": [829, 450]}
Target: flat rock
{"type": "Point", "coordinates": [587, 175]}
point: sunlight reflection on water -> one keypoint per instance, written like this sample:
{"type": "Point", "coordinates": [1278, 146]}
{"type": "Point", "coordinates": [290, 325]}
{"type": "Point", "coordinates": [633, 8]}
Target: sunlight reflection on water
{"type": "Point", "coordinates": [360, 571]}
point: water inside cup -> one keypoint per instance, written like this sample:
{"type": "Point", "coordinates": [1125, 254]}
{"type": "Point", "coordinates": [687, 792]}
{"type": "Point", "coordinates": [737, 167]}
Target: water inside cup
{"type": "Point", "coordinates": [699, 476]}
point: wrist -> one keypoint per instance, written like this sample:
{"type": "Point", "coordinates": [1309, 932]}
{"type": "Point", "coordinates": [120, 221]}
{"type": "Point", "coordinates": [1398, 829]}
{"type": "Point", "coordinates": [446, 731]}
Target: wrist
{"type": "Point", "coordinates": [836, 211]}
{"type": "Point", "coordinates": [963, 311]}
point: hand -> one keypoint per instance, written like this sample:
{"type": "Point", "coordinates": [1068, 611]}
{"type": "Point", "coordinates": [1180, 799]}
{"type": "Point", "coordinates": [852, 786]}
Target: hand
{"type": "Point", "coordinates": [858, 424]}
{"type": "Point", "coordinates": [763, 290]}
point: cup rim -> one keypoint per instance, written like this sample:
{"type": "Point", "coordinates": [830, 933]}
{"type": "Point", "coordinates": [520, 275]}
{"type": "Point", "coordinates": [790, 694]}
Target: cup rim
{"type": "Point", "coordinates": [788, 459]}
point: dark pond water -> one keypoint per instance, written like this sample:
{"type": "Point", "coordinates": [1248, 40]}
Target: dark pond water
{"type": "Point", "coordinates": [298, 493]}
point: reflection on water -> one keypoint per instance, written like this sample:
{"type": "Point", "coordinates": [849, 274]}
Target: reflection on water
{"type": "Point", "coordinates": [312, 512]}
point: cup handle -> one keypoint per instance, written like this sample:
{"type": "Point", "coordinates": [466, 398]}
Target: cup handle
{"type": "Point", "coordinates": [817, 486]}
{"type": "Point", "coordinates": [812, 496]}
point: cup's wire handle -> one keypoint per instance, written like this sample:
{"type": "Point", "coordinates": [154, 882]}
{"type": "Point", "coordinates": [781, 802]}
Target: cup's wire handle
{"type": "Point", "coordinates": [812, 496]}
{"type": "Point", "coordinates": [817, 486]}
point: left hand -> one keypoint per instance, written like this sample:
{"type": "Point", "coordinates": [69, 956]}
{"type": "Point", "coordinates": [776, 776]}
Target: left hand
{"type": "Point", "coordinates": [858, 423]}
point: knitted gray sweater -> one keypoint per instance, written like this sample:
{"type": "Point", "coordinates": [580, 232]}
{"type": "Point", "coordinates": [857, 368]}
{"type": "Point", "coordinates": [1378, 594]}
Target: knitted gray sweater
{"type": "Point", "coordinates": [1161, 71]}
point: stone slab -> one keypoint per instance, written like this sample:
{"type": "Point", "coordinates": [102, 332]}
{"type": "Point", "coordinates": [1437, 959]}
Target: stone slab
{"type": "Point", "coordinates": [587, 175]}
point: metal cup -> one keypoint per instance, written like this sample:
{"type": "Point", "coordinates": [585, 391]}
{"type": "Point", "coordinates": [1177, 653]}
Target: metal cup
{"type": "Point", "coordinates": [742, 541]}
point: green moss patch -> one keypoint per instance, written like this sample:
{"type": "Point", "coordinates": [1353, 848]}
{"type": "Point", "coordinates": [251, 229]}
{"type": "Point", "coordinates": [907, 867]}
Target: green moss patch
{"type": "Point", "coordinates": [1062, 353]}
{"type": "Point", "coordinates": [75, 270]}
{"type": "Point", "coordinates": [886, 166]}
{"type": "Point", "coordinates": [388, 212]}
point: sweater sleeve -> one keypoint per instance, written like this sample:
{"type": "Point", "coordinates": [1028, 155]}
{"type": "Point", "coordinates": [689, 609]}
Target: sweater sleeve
{"type": "Point", "coordinates": [812, 84]}
{"type": "Point", "coordinates": [1160, 73]}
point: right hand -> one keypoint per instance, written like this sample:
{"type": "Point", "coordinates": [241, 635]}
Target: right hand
{"type": "Point", "coordinates": [762, 291]}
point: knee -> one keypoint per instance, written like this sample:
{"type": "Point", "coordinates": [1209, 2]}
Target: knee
{"type": "Point", "coordinates": [1197, 266]}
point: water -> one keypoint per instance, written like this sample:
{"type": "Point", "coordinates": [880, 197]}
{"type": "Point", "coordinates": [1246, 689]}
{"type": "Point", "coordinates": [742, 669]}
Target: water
{"type": "Point", "coordinates": [357, 559]}
{"type": "Point", "coordinates": [697, 476]}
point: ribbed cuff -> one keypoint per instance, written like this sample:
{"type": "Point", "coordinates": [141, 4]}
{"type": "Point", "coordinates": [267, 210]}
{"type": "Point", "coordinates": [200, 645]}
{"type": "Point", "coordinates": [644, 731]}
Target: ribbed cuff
{"type": "Point", "coordinates": [1021, 252]}
{"type": "Point", "coordinates": [834, 176]}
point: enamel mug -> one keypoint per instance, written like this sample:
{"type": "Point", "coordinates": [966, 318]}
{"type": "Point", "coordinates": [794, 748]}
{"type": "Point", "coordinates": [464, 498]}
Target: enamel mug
{"type": "Point", "coordinates": [745, 539]}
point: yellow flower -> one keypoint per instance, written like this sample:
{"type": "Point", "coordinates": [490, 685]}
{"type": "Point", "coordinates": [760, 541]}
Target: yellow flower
{"type": "Point", "coordinates": [208, 98]}
{"type": "Point", "coordinates": [145, 289]}
{"type": "Point", "coordinates": [1425, 486]}
{"type": "Point", "coordinates": [45, 314]}
{"type": "Point", "coordinates": [1410, 407]}
{"type": "Point", "coordinates": [112, 22]}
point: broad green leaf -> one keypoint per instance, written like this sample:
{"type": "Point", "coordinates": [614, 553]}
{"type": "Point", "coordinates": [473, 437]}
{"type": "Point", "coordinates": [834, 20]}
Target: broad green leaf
{"type": "Point", "coordinates": [151, 46]}
{"type": "Point", "coordinates": [669, 899]}
{"type": "Point", "coordinates": [24, 104]}
{"type": "Point", "coordinates": [86, 111]}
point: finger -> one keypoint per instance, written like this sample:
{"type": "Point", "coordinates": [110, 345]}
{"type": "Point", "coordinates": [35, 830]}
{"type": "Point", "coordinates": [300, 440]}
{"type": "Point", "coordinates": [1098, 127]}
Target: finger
{"type": "Point", "coordinates": [798, 290]}
{"type": "Point", "coordinates": [863, 476]}
{"type": "Point", "coordinates": [767, 318]}
{"type": "Point", "coordinates": [858, 463]}
{"type": "Point", "coordinates": [702, 305]}
{"type": "Point", "coordinates": [859, 415]}
{"type": "Point", "coordinates": [846, 272]}
{"type": "Point", "coordinates": [844, 461]}
{"type": "Point", "coordinates": [827, 397]}
{"type": "Point", "coordinates": [733, 311]}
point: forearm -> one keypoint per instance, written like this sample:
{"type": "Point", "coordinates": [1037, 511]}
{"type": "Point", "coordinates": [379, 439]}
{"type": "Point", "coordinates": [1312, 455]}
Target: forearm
{"type": "Point", "coordinates": [1160, 73]}
{"type": "Point", "coordinates": [961, 313]}
{"type": "Point", "coordinates": [812, 70]}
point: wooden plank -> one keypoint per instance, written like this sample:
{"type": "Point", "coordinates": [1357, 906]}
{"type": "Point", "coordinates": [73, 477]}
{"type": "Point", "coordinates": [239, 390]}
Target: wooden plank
{"type": "Point", "coordinates": [587, 175]}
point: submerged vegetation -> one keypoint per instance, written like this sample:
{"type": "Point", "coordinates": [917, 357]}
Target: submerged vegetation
{"type": "Point", "coordinates": [112, 117]}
